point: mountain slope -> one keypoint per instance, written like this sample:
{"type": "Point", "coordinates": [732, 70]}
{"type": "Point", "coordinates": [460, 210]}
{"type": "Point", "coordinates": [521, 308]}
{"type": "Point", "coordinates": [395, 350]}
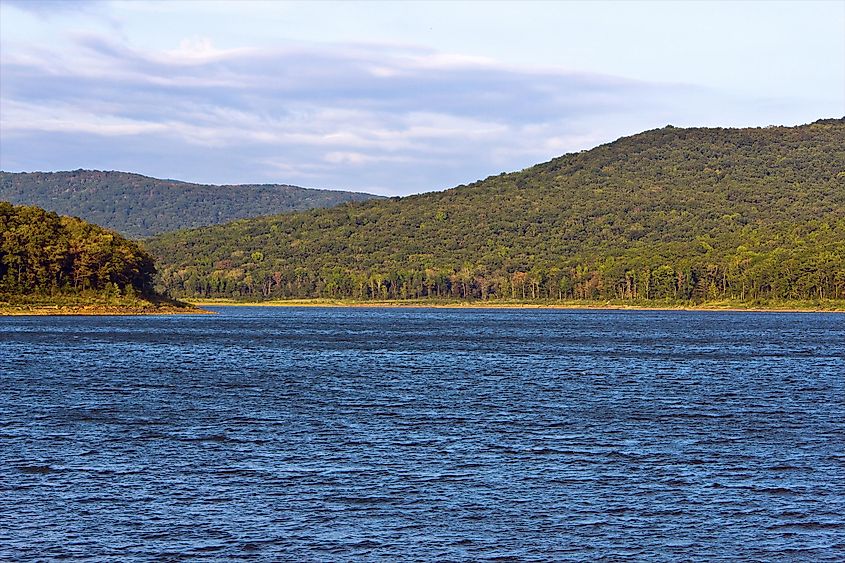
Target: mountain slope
{"type": "Point", "coordinates": [140, 206]}
{"type": "Point", "coordinates": [670, 213]}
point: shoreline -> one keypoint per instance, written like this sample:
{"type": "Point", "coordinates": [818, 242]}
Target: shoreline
{"type": "Point", "coordinates": [196, 307]}
{"type": "Point", "coordinates": [715, 307]}
{"type": "Point", "coordinates": [90, 307]}
{"type": "Point", "coordinates": [95, 311]}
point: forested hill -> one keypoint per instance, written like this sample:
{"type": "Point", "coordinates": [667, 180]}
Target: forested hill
{"type": "Point", "coordinates": [139, 206]}
{"type": "Point", "coordinates": [686, 214]}
{"type": "Point", "coordinates": [47, 255]}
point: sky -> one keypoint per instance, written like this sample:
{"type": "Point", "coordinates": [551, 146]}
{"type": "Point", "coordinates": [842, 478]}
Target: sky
{"type": "Point", "coordinates": [393, 98]}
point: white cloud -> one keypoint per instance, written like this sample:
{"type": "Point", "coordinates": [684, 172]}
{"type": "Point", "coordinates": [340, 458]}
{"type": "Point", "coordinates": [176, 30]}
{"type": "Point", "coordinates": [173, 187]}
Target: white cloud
{"type": "Point", "coordinates": [20, 117]}
{"type": "Point", "coordinates": [345, 116]}
{"type": "Point", "coordinates": [50, 8]}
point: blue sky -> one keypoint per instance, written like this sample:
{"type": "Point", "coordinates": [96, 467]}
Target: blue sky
{"type": "Point", "coordinates": [393, 98]}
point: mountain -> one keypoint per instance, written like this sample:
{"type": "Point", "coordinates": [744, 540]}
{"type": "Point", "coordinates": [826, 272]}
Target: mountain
{"type": "Point", "coordinates": [698, 214]}
{"type": "Point", "coordinates": [139, 206]}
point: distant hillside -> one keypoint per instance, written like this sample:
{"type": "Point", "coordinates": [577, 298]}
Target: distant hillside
{"type": "Point", "coordinates": [139, 206]}
{"type": "Point", "coordinates": [685, 214]}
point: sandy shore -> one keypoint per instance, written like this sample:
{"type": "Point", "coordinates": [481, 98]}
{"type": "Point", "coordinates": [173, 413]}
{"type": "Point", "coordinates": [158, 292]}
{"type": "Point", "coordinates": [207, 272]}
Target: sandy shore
{"type": "Point", "coordinates": [828, 308]}
{"type": "Point", "coordinates": [95, 310]}
{"type": "Point", "coordinates": [196, 309]}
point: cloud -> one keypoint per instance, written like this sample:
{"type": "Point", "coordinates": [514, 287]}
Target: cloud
{"type": "Point", "coordinates": [395, 119]}
{"type": "Point", "coordinates": [49, 8]}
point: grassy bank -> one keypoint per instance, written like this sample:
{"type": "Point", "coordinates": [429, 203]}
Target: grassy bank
{"type": "Point", "coordinates": [783, 306]}
{"type": "Point", "coordinates": [93, 304]}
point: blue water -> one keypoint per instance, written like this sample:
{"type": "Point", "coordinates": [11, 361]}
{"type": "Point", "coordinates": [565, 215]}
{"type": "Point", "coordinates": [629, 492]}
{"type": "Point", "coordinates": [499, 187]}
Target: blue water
{"type": "Point", "coordinates": [412, 434]}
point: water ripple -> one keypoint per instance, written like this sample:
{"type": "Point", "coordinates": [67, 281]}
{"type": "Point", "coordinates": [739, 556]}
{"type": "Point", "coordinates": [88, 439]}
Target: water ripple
{"type": "Point", "coordinates": [355, 434]}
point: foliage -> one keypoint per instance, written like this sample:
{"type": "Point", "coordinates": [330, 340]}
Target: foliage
{"type": "Point", "coordinates": [44, 254]}
{"type": "Point", "coordinates": [678, 214]}
{"type": "Point", "coordinates": [139, 206]}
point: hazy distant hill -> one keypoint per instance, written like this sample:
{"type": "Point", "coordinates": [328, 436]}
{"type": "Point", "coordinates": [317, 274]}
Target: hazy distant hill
{"type": "Point", "coordinates": [694, 214]}
{"type": "Point", "coordinates": [140, 206]}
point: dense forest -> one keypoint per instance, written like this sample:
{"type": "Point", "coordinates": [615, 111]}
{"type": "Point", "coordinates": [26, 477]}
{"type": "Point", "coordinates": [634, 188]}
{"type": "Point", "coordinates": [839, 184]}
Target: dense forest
{"type": "Point", "coordinates": [139, 206]}
{"type": "Point", "coordinates": [44, 254]}
{"type": "Point", "coordinates": [679, 214]}
{"type": "Point", "coordinates": [683, 214]}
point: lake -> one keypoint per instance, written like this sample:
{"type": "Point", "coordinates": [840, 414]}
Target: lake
{"type": "Point", "coordinates": [423, 434]}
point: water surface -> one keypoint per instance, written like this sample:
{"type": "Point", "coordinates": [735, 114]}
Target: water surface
{"type": "Point", "coordinates": [415, 434]}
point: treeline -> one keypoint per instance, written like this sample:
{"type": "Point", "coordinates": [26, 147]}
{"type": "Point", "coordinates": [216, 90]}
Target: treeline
{"type": "Point", "coordinates": [808, 264]}
{"type": "Point", "coordinates": [43, 253]}
{"type": "Point", "coordinates": [685, 214]}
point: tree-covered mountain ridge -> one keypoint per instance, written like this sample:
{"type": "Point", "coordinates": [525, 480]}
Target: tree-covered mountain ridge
{"type": "Point", "coordinates": [140, 206]}
{"type": "Point", "coordinates": [692, 214]}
